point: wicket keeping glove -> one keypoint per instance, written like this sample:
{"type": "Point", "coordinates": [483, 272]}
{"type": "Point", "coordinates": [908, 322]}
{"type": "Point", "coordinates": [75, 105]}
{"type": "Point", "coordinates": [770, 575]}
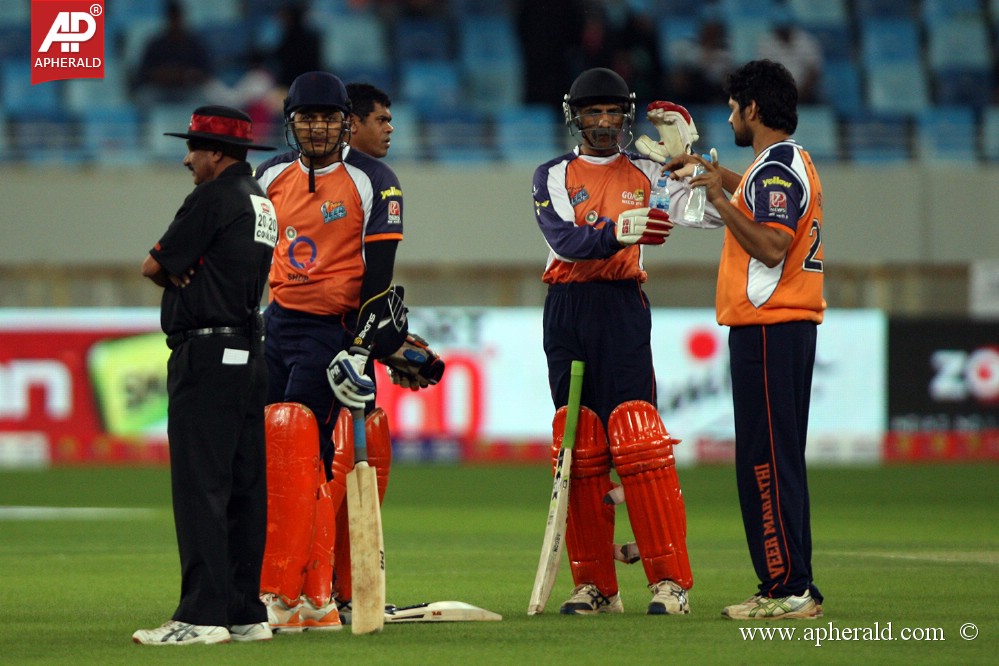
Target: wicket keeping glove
{"type": "Point", "coordinates": [677, 132]}
{"type": "Point", "coordinates": [643, 226]}
{"type": "Point", "coordinates": [414, 365]}
{"type": "Point", "coordinates": [346, 375]}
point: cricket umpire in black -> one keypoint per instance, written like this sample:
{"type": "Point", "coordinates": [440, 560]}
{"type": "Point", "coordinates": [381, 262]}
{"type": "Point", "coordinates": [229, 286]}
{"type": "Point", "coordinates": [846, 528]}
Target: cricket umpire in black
{"type": "Point", "coordinates": [212, 263]}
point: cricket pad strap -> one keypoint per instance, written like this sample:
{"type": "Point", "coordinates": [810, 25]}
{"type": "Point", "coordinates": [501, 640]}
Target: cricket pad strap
{"type": "Point", "coordinates": [643, 455]}
{"type": "Point", "coordinates": [589, 538]}
{"type": "Point", "coordinates": [294, 473]}
{"type": "Point", "coordinates": [376, 429]}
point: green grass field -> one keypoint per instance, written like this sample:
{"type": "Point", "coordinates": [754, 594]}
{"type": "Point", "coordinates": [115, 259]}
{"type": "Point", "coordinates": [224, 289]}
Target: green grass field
{"type": "Point", "coordinates": [910, 550]}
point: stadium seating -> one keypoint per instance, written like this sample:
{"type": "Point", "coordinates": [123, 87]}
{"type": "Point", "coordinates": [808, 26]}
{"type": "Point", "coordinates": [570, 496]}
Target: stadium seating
{"type": "Point", "coordinates": [113, 135]}
{"type": "Point", "coordinates": [457, 137]}
{"type": "Point", "coordinates": [818, 132]}
{"type": "Point", "coordinates": [871, 139]}
{"type": "Point", "coordinates": [419, 39]}
{"type": "Point", "coordinates": [431, 86]}
{"type": "Point", "coordinates": [886, 41]}
{"type": "Point", "coordinates": [355, 40]}
{"type": "Point", "coordinates": [897, 88]}
{"type": "Point", "coordinates": [867, 9]}
{"type": "Point", "coordinates": [947, 134]}
{"type": "Point", "coordinates": [990, 134]}
{"type": "Point", "coordinates": [841, 87]}
{"type": "Point", "coordinates": [936, 10]}
{"type": "Point", "coordinates": [528, 134]}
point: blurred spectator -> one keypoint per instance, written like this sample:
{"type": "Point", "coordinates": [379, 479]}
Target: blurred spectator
{"type": "Point", "coordinates": [635, 55]}
{"type": "Point", "coordinates": [699, 78]}
{"type": "Point", "coordinates": [176, 64]}
{"type": "Point", "coordinates": [258, 93]}
{"type": "Point", "coordinates": [300, 47]}
{"type": "Point", "coordinates": [550, 35]}
{"type": "Point", "coordinates": [796, 49]}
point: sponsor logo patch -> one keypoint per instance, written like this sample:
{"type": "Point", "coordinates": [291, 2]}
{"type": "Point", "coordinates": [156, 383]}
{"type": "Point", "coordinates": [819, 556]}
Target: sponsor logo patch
{"type": "Point", "coordinates": [332, 211]}
{"type": "Point", "coordinates": [67, 40]}
{"type": "Point", "coordinates": [778, 203]}
{"type": "Point", "coordinates": [390, 192]}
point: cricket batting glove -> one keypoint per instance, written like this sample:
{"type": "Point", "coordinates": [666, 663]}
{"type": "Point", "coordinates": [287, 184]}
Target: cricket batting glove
{"type": "Point", "coordinates": [346, 375]}
{"type": "Point", "coordinates": [414, 365]}
{"type": "Point", "coordinates": [677, 132]}
{"type": "Point", "coordinates": [643, 226]}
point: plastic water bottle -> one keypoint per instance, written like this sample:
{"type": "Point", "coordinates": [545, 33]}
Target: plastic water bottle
{"type": "Point", "coordinates": [659, 196]}
{"type": "Point", "coordinates": [698, 196]}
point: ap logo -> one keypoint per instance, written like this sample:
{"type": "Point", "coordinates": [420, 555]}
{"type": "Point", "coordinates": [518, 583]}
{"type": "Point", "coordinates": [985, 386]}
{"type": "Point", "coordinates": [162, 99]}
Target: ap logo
{"type": "Point", "coordinates": [69, 28]}
{"type": "Point", "coordinates": [67, 39]}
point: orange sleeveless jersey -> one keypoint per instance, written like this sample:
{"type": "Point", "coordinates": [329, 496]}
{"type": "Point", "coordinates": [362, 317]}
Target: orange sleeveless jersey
{"type": "Point", "coordinates": [318, 262]}
{"type": "Point", "coordinates": [780, 189]}
{"type": "Point", "coordinates": [590, 191]}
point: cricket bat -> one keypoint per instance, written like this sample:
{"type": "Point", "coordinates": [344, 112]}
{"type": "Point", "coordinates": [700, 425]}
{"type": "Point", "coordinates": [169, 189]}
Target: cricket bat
{"type": "Point", "coordinates": [440, 611]}
{"type": "Point", "coordinates": [367, 549]}
{"type": "Point", "coordinates": [554, 541]}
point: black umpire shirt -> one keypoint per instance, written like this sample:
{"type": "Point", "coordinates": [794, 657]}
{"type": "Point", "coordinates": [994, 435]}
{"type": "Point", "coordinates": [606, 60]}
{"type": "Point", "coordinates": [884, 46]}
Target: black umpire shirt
{"type": "Point", "coordinates": [226, 231]}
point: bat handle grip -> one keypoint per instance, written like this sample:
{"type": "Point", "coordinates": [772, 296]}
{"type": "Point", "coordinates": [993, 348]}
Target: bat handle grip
{"type": "Point", "coordinates": [360, 436]}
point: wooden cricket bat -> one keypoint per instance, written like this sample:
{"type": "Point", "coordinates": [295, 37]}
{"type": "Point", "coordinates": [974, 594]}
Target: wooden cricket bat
{"type": "Point", "coordinates": [367, 549]}
{"type": "Point", "coordinates": [558, 509]}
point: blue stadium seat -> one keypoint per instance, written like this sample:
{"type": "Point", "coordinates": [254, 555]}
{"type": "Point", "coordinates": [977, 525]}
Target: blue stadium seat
{"type": "Point", "coordinates": [431, 85]}
{"type": "Point", "coordinates": [166, 118]}
{"type": "Point", "coordinates": [680, 36]}
{"type": "Point", "coordinates": [355, 40]}
{"type": "Point", "coordinates": [406, 137]}
{"type": "Point", "coordinates": [44, 137]}
{"type": "Point", "coordinates": [818, 132]}
{"type": "Point", "coordinates": [135, 35]}
{"type": "Point", "coordinates": [889, 40]}
{"type": "Point", "coordinates": [736, 10]}
{"type": "Point", "coordinates": [947, 134]}
{"type": "Point", "coordinates": [229, 44]}
{"type": "Point", "coordinates": [867, 9]}
{"type": "Point", "coordinates": [126, 12]}
{"type": "Point", "coordinates": [870, 139]}
{"type": "Point", "coordinates": [422, 39]}
{"type": "Point", "coordinates": [201, 14]}
{"type": "Point", "coordinates": [960, 86]}
{"type": "Point", "coordinates": [897, 88]}
{"type": "Point", "coordinates": [492, 85]}
{"type": "Point", "coordinates": [744, 35]}
{"type": "Point", "coordinates": [488, 39]}
{"type": "Point", "coordinates": [712, 125]}
{"type": "Point", "coordinates": [19, 96]}
{"type": "Point", "coordinates": [457, 136]}
{"type": "Point", "coordinates": [379, 76]}
{"type": "Point", "coordinates": [529, 134]}
{"type": "Point", "coordinates": [836, 40]}
{"type": "Point", "coordinates": [15, 40]}
{"type": "Point", "coordinates": [958, 42]}
{"type": "Point", "coordinates": [82, 94]}
{"type": "Point", "coordinates": [113, 135]}
{"type": "Point", "coordinates": [5, 153]}
{"type": "Point", "coordinates": [15, 12]}
{"type": "Point", "coordinates": [826, 12]}
{"type": "Point", "coordinates": [990, 133]}
{"type": "Point", "coordinates": [937, 10]}
{"type": "Point", "coordinates": [463, 8]}
{"type": "Point", "coordinates": [841, 87]}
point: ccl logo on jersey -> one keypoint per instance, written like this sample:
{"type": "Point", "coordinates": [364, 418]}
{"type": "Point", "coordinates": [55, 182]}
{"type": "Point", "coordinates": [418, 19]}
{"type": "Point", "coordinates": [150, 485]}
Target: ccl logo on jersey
{"type": "Point", "coordinates": [67, 40]}
{"type": "Point", "coordinates": [333, 211]}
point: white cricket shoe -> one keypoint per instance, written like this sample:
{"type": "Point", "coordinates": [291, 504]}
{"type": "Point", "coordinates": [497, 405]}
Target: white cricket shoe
{"type": "Point", "coordinates": [322, 618]}
{"type": "Point", "coordinates": [668, 598]}
{"type": "Point", "coordinates": [586, 599]}
{"type": "Point", "coordinates": [176, 632]}
{"type": "Point", "coordinates": [244, 633]}
{"type": "Point", "coordinates": [758, 607]}
{"type": "Point", "coordinates": [281, 617]}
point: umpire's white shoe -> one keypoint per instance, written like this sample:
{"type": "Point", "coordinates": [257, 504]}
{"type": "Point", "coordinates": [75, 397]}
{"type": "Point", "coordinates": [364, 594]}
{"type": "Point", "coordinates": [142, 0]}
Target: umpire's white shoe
{"type": "Point", "coordinates": [244, 633]}
{"type": "Point", "coordinates": [586, 599]}
{"type": "Point", "coordinates": [668, 598]}
{"type": "Point", "coordinates": [175, 632]}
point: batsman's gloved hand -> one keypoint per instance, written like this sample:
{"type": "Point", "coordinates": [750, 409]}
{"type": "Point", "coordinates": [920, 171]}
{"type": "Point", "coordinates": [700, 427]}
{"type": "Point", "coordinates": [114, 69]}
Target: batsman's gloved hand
{"type": "Point", "coordinates": [677, 132]}
{"type": "Point", "coordinates": [346, 375]}
{"type": "Point", "coordinates": [643, 226]}
{"type": "Point", "coordinates": [414, 365]}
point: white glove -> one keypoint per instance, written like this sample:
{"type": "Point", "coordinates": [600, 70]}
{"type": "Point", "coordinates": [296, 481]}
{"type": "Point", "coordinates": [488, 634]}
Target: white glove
{"type": "Point", "coordinates": [643, 226]}
{"type": "Point", "coordinates": [677, 132]}
{"type": "Point", "coordinates": [346, 375]}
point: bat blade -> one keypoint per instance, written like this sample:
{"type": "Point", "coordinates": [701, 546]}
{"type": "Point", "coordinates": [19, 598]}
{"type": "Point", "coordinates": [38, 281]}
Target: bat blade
{"type": "Point", "coordinates": [558, 509]}
{"type": "Point", "coordinates": [367, 547]}
{"type": "Point", "coordinates": [554, 540]}
{"type": "Point", "coordinates": [367, 550]}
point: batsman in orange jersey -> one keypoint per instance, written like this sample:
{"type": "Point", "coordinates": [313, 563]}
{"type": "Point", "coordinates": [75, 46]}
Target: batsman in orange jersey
{"type": "Point", "coordinates": [333, 311]}
{"type": "Point", "coordinates": [770, 282]}
{"type": "Point", "coordinates": [591, 205]}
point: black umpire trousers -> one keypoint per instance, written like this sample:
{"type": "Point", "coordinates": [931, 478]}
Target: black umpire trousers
{"type": "Point", "coordinates": [771, 392]}
{"type": "Point", "coordinates": [217, 388]}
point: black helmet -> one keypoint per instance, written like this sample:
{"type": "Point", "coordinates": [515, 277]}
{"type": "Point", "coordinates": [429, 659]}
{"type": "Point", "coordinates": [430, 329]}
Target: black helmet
{"type": "Point", "coordinates": [318, 89]}
{"type": "Point", "coordinates": [598, 85]}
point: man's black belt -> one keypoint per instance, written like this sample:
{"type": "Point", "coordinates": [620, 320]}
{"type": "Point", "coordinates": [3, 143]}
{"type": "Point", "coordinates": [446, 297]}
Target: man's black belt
{"type": "Point", "coordinates": [177, 338]}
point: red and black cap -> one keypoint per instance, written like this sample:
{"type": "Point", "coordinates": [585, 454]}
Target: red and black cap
{"type": "Point", "coordinates": [222, 124]}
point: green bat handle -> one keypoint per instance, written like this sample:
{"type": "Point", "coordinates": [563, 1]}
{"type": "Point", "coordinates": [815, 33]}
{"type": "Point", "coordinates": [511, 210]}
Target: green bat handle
{"type": "Point", "coordinates": [575, 391]}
